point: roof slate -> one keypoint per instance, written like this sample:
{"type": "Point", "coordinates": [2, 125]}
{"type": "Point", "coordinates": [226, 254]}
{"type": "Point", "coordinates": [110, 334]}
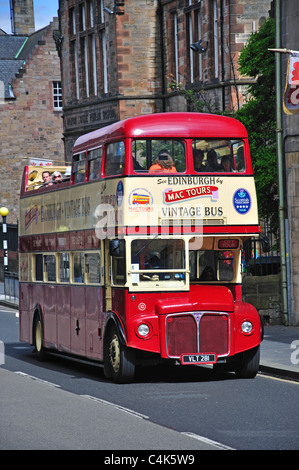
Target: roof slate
{"type": "Point", "coordinates": [14, 51]}
{"type": "Point", "coordinates": [10, 46]}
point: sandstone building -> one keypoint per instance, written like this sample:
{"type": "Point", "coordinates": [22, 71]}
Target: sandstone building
{"type": "Point", "coordinates": [30, 101]}
{"type": "Point", "coordinates": [119, 57]}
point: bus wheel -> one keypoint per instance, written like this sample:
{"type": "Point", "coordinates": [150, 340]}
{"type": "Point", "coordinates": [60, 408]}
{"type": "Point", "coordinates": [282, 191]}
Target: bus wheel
{"type": "Point", "coordinates": [38, 338]}
{"type": "Point", "coordinates": [248, 363]}
{"type": "Point", "coordinates": [119, 360]}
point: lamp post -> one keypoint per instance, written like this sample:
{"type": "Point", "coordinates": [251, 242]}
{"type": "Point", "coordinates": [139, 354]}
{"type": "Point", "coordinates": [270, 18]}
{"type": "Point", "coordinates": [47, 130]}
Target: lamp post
{"type": "Point", "coordinates": [4, 212]}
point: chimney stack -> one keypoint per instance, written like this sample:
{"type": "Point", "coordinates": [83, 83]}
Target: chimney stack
{"type": "Point", "coordinates": [22, 17]}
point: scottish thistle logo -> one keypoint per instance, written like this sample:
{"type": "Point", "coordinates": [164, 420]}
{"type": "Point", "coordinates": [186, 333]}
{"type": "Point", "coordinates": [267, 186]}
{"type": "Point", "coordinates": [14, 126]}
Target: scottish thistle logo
{"type": "Point", "coordinates": [242, 201]}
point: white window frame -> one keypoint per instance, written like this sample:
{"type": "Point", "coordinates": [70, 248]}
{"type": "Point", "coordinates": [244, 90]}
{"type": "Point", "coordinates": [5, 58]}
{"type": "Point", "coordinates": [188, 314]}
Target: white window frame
{"type": "Point", "coordinates": [57, 95]}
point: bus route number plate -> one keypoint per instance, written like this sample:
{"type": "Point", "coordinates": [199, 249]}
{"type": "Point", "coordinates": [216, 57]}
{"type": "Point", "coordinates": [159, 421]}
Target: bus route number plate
{"type": "Point", "coordinates": [198, 358]}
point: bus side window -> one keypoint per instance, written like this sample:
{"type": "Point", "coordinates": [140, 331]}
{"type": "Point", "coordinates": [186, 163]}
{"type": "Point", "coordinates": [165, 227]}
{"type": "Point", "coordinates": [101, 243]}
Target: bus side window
{"type": "Point", "coordinates": [78, 267]}
{"type": "Point", "coordinates": [64, 267]}
{"type": "Point", "coordinates": [238, 152]}
{"type": "Point", "coordinates": [115, 158]}
{"type": "Point", "coordinates": [119, 264]}
{"type": "Point", "coordinates": [95, 163]}
{"type": "Point", "coordinates": [38, 262]}
{"type": "Point", "coordinates": [93, 268]}
{"type": "Point", "coordinates": [79, 168]}
{"type": "Point", "coordinates": [50, 267]}
{"type": "Point", "coordinates": [25, 267]}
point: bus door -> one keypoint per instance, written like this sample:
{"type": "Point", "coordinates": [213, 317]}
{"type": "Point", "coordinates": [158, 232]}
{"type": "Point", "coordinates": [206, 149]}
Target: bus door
{"type": "Point", "coordinates": [107, 276]}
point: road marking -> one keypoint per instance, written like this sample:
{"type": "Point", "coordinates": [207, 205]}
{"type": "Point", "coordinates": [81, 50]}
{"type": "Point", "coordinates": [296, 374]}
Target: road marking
{"type": "Point", "coordinates": [22, 374]}
{"type": "Point", "coordinates": [289, 381]}
{"type": "Point", "coordinates": [122, 408]}
{"type": "Point", "coordinates": [4, 310]}
{"type": "Point", "coordinates": [207, 441]}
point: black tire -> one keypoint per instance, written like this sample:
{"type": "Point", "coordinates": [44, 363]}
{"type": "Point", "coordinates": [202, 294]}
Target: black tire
{"type": "Point", "coordinates": [119, 362]}
{"type": "Point", "coordinates": [38, 338]}
{"type": "Point", "coordinates": [248, 363]}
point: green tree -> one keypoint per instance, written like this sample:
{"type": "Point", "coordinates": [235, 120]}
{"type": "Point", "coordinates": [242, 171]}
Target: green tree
{"type": "Point", "coordinates": [258, 116]}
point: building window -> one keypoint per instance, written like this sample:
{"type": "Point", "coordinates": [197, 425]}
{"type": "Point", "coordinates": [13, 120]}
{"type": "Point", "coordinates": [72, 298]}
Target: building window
{"type": "Point", "coordinates": [189, 42]}
{"type": "Point", "coordinates": [92, 76]}
{"type": "Point", "coordinates": [198, 35]}
{"type": "Point", "coordinates": [82, 20]}
{"type": "Point", "coordinates": [103, 61]}
{"type": "Point", "coordinates": [215, 21]}
{"type": "Point", "coordinates": [175, 48]}
{"type": "Point", "coordinates": [57, 96]}
{"type": "Point", "coordinates": [101, 11]}
{"type": "Point", "coordinates": [89, 14]}
{"type": "Point", "coordinates": [72, 18]}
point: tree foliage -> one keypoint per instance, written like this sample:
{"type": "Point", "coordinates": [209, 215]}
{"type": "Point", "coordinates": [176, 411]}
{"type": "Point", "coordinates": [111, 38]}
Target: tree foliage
{"type": "Point", "coordinates": [259, 117]}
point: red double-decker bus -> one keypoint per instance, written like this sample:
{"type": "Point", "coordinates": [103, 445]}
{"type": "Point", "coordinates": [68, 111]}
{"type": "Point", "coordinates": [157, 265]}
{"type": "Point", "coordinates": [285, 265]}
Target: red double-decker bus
{"type": "Point", "coordinates": [136, 255]}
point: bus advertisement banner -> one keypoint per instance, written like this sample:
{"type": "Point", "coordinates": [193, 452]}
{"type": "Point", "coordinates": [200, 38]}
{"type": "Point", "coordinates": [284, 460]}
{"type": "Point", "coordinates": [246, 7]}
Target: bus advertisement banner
{"type": "Point", "coordinates": [150, 202]}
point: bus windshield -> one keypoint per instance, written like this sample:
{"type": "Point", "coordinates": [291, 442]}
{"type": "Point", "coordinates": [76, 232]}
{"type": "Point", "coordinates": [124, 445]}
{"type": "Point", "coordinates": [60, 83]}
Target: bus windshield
{"type": "Point", "coordinates": [169, 156]}
{"type": "Point", "coordinates": [159, 156]}
{"type": "Point", "coordinates": [211, 265]}
{"type": "Point", "coordinates": [158, 259]}
{"type": "Point", "coordinates": [219, 155]}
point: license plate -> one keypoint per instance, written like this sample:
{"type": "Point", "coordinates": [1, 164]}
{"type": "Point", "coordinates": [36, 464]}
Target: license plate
{"type": "Point", "coordinates": [198, 358]}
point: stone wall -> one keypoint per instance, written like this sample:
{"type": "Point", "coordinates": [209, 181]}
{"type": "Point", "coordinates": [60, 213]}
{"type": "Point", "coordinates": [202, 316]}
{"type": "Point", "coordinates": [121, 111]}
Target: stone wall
{"type": "Point", "coordinates": [264, 293]}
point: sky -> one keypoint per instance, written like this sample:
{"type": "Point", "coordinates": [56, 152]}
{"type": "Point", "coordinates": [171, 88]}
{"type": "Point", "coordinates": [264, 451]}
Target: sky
{"type": "Point", "coordinates": [44, 11]}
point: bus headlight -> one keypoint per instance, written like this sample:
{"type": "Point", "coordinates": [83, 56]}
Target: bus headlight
{"type": "Point", "coordinates": [143, 330]}
{"type": "Point", "coordinates": [246, 327]}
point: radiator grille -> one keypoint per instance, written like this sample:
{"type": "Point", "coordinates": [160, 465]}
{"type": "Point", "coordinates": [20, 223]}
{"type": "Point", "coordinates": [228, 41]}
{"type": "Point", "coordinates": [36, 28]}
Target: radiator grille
{"type": "Point", "coordinates": [181, 334]}
{"type": "Point", "coordinates": [198, 333]}
{"type": "Point", "coordinates": [213, 334]}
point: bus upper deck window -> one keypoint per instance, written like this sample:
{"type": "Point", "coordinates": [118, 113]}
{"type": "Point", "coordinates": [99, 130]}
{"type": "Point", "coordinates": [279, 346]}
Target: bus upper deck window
{"type": "Point", "coordinates": [218, 155]}
{"type": "Point", "coordinates": [115, 158]}
{"type": "Point", "coordinates": [158, 156]}
{"type": "Point", "coordinates": [95, 163]}
{"type": "Point", "coordinates": [79, 167]}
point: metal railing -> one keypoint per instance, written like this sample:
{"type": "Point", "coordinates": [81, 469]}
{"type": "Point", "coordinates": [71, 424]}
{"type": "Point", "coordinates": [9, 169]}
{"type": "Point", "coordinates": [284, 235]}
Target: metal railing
{"type": "Point", "coordinates": [261, 257]}
{"type": "Point", "coordinates": [11, 286]}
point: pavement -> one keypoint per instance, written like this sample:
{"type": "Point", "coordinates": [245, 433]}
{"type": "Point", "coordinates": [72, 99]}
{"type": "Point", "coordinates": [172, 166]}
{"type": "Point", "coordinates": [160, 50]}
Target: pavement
{"type": "Point", "coordinates": [279, 348]}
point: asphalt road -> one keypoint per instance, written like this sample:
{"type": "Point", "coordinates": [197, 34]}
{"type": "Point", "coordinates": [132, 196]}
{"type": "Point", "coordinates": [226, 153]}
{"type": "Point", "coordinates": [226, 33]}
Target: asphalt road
{"type": "Point", "coordinates": [63, 404]}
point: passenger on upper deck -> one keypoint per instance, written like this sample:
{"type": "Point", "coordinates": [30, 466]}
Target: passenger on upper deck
{"type": "Point", "coordinates": [47, 180]}
{"type": "Point", "coordinates": [226, 164]}
{"type": "Point", "coordinates": [56, 177]}
{"type": "Point", "coordinates": [197, 160]}
{"type": "Point", "coordinates": [163, 163]}
{"type": "Point", "coordinates": [212, 161]}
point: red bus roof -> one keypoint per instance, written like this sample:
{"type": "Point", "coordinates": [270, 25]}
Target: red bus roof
{"type": "Point", "coordinates": [172, 125]}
